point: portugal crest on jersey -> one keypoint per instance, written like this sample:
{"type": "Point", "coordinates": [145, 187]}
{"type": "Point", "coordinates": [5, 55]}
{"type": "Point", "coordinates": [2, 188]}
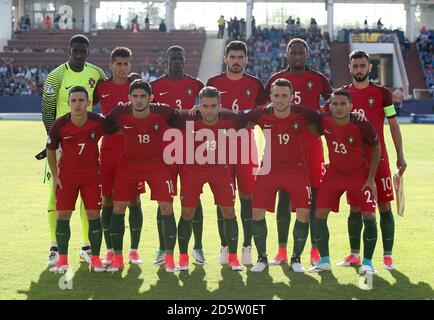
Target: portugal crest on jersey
{"type": "Point", "coordinates": [93, 135]}
{"type": "Point", "coordinates": [248, 93]}
{"type": "Point", "coordinates": [309, 85]}
{"type": "Point", "coordinates": [371, 101]}
{"type": "Point", "coordinates": [92, 82]}
{"type": "Point", "coordinates": [295, 126]}
{"type": "Point", "coordinates": [350, 140]}
{"type": "Point", "coordinates": [189, 92]}
{"type": "Point", "coordinates": [156, 126]}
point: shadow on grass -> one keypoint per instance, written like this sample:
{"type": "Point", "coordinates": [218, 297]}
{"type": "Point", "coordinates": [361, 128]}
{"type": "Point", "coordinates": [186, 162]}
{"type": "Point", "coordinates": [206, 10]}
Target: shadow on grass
{"type": "Point", "coordinates": [192, 285]}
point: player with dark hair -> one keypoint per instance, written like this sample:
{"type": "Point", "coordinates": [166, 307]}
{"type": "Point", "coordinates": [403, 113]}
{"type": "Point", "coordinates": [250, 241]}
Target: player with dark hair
{"type": "Point", "coordinates": [375, 103]}
{"type": "Point", "coordinates": [77, 133]}
{"type": "Point", "coordinates": [75, 72]}
{"type": "Point", "coordinates": [211, 119]}
{"type": "Point", "coordinates": [283, 167]}
{"type": "Point", "coordinates": [239, 92]}
{"type": "Point", "coordinates": [179, 90]}
{"type": "Point", "coordinates": [309, 86]}
{"type": "Point", "coordinates": [109, 93]}
{"type": "Point", "coordinates": [143, 124]}
{"type": "Point", "coordinates": [350, 142]}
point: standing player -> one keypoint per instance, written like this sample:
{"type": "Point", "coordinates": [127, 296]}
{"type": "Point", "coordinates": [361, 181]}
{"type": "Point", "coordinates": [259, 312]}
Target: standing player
{"type": "Point", "coordinates": [347, 140]}
{"type": "Point", "coordinates": [285, 128]}
{"type": "Point", "coordinates": [77, 133]}
{"type": "Point", "coordinates": [239, 91]}
{"type": "Point", "coordinates": [375, 103]}
{"type": "Point", "coordinates": [211, 120]}
{"type": "Point", "coordinates": [179, 90]}
{"type": "Point", "coordinates": [143, 124]}
{"type": "Point", "coordinates": [309, 86]}
{"type": "Point", "coordinates": [109, 93]}
{"type": "Point", "coordinates": [75, 72]}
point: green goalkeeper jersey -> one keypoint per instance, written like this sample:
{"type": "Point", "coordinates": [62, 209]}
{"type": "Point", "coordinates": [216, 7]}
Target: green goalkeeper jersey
{"type": "Point", "coordinates": [57, 86]}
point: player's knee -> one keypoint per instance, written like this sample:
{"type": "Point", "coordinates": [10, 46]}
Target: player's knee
{"type": "Point", "coordinates": [64, 215]}
{"type": "Point", "coordinates": [258, 214]}
{"type": "Point", "coordinates": [166, 208]}
{"type": "Point", "coordinates": [228, 212]}
{"type": "Point", "coordinates": [303, 215]}
{"type": "Point", "coordinates": [92, 214]}
{"type": "Point", "coordinates": [107, 201]}
{"type": "Point", "coordinates": [188, 213]}
{"type": "Point", "coordinates": [321, 214]}
{"type": "Point", "coordinates": [245, 196]}
{"type": "Point", "coordinates": [119, 207]}
{"type": "Point", "coordinates": [384, 206]}
{"type": "Point", "coordinates": [368, 215]}
{"type": "Point", "coordinates": [135, 201]}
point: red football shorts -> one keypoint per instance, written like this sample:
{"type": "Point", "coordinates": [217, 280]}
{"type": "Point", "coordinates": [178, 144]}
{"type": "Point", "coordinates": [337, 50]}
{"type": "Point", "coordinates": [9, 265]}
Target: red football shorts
{"type": "Point", "coordinates": [244, 174]}
{"type": "Point", "coordinates": [315, 162]}
{"type": "Point", "coordinates": [219, 179]}
{"type": "Point", "coordinates": [109, 163]}
{"type": "Point", "coordinates": [294, 181]}
{"type": "Point", "coordinates": [383, 181]}
{"type": "Point", "coordinates": [89, 186]}
{"type": "Point", "coordinates": [129, 175]}
{"type": "Point", "coordinates": [334, 185]}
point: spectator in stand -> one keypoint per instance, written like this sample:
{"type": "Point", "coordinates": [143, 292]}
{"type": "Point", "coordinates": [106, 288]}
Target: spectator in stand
{"type": "Point", "coordinates": [365, 23]}
{"type": "Point", "coordinates": [47, 23]}
{"type": "Point", "coordinates": [221, 25]}
{"type": "Point", "coordinates": [94, 31]}
{"type": "Point", "coordinates": [27, 21]}
{"type": "Point", "coordinates": [147, 23]}
{"type": "Point", "coordinates": [119, 23]}
{"type": "Point", "coordinates": [162, 27]}
{"type": "Point", "coordinates": [22, 80]}
{"type": "Point", "coordinates": [135, 24]}
{"type": "Point", "coordinates": [253, 26]}
{"type": "Point", "coordinates": [407, 48]}
{"type": "Point", "coordinates": [379, 24]}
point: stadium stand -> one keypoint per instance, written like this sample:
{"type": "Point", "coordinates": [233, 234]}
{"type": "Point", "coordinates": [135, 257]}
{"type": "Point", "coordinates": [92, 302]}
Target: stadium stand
{"type": "Point", "coordinates": [267, 50]}
{"type": "Point", "coordinates": [36, 48]}
{"type": "Point", "coordinates": [425, 47]}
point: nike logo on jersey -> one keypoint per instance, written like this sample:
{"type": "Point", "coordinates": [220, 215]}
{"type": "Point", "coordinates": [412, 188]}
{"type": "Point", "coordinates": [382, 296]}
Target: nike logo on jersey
{"type": "Point", "coordinates": [326, 131]}
{"type": "Point", "coordinates": [221, 92]}
{"type": "Point", "coordinates": [68, 137]}
{"type": "Point", "coordinates": [388, 194]}
{"type": "Point", "coordinates": [268, 125]}
{"type": "Point", "coordinates": [127, 127]}
{"type": "Point", "coordinates": [106, 95]}
{"type": "Point", "coordinates": [163, 93]}
{"type": "Point", "coordinates": [67, 88]}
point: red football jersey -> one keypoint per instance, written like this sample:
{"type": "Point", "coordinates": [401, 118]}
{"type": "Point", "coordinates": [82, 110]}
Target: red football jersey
{"type": "Point", "coordinates": [208, 148]}
{"type": "Point", "coordinates": [79, 144]}
{"type": "Point", "coordinates": [375, 103]}
{"type": "Point", "coordinates": [180, 94]}
{"type": "Point", "coordinates": [308, 87]}
{"type": "Point", "coordinates": [346, 144]}
{"type": "Point", "coordinates": [244, 94]}
{"type": "Point", "coordinates": [287, 134]}
{"type": "Point", "coordinates": [143, 137]}
{"type": "Point", "coordinates": [109, 94]}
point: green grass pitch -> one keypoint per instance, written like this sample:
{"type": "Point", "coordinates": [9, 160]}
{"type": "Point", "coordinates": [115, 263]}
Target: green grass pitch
{"type": "Point", "coordinates": [24, 241]}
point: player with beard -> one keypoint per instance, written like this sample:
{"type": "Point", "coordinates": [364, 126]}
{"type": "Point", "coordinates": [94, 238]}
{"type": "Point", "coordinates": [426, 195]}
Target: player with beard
{"type": "Point", "coordinates": [375, 103]}
{"type": "Point", "coordinates": [240, 91]}
{"type": "Point", "coordinates": [178, 90]}
{"type": "Point", "coordinates": [309, 86]}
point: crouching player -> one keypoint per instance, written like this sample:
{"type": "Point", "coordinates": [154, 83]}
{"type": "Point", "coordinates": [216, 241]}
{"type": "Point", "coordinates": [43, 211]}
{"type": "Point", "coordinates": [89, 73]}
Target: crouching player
{"type": "Point", "coordinates": [209, 124]}
{"type": "Point", "coordinates": [77, 133]}
{"type": "Point", "coordinates": [349, 171]}
{"type": "Point", "coordinates": [143, 124]}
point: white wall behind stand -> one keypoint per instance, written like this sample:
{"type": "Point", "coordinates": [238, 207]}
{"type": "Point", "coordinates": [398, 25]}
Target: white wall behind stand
{"type": "Point", "coordinates": [5, 22]}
